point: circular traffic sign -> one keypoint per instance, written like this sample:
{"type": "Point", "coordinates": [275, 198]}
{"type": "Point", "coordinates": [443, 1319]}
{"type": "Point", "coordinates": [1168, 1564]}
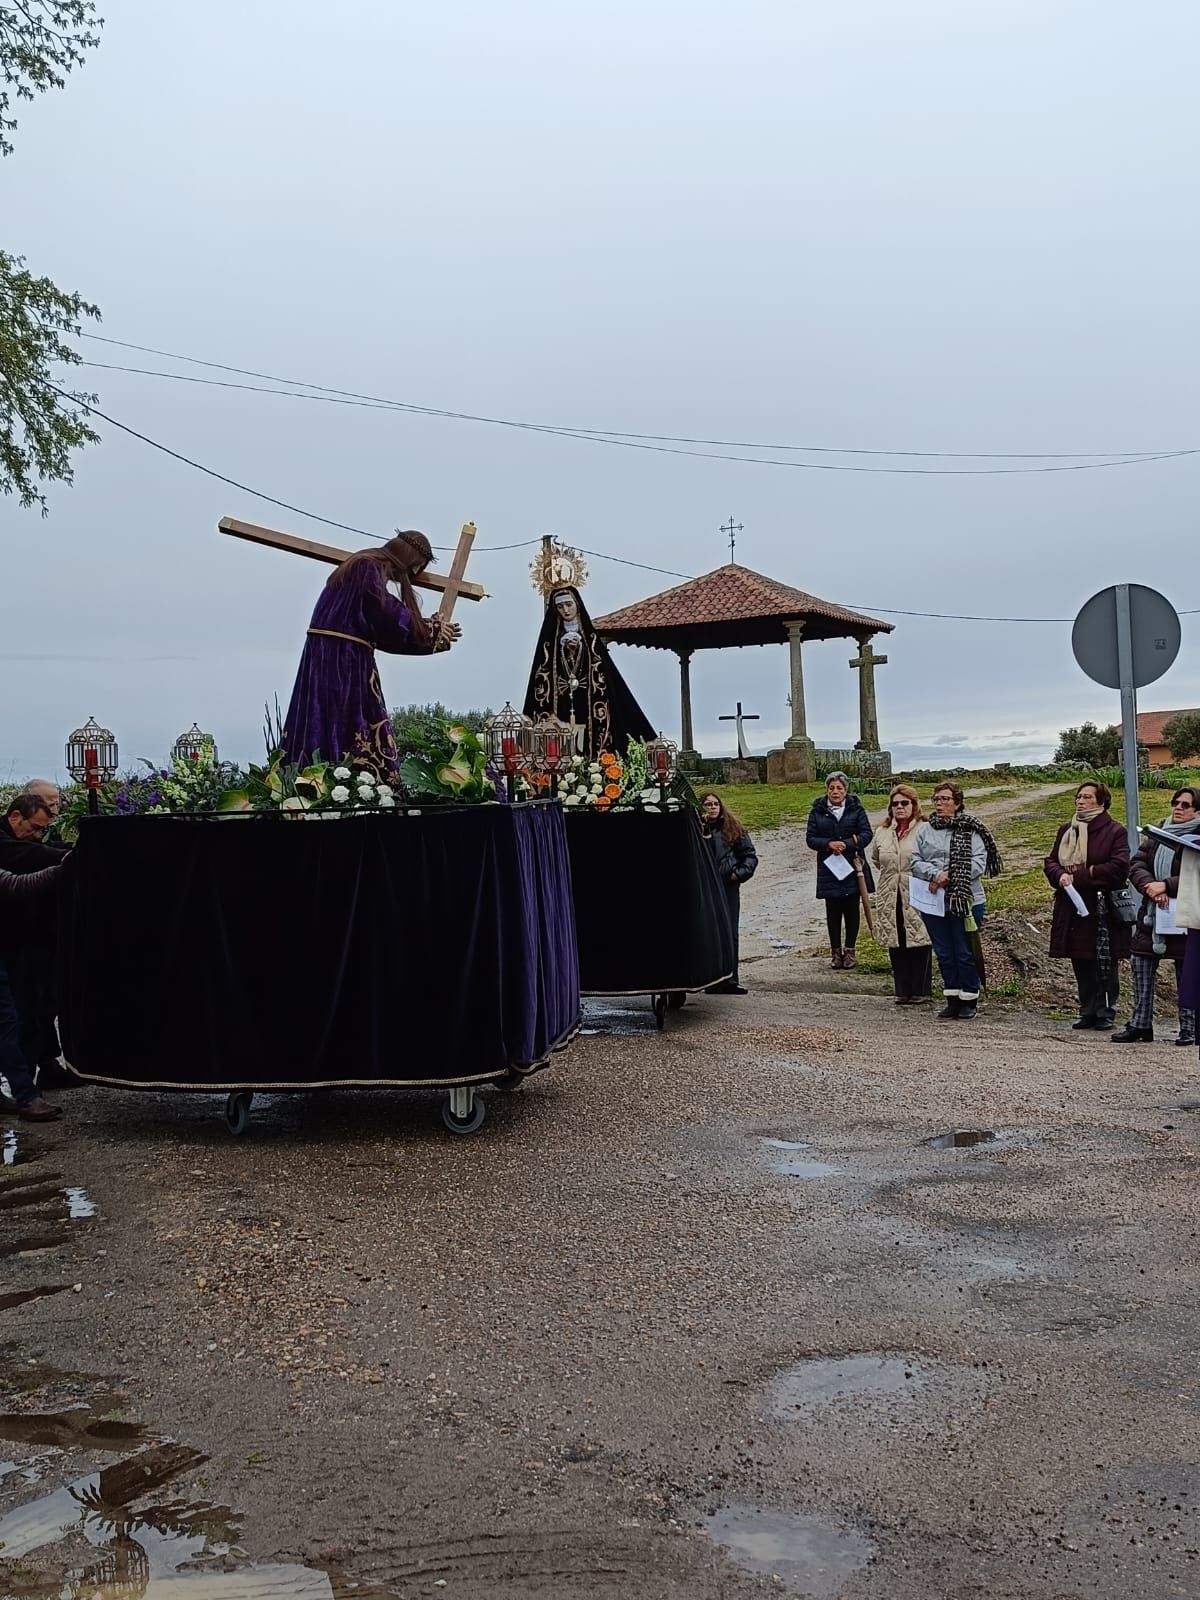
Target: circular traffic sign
{"type": "Point", "coordinates": [1154, 635]}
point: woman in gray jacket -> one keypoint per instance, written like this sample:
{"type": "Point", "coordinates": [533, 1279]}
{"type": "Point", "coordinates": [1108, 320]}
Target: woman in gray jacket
{"type": "Point", "coordinates": [954, 852]}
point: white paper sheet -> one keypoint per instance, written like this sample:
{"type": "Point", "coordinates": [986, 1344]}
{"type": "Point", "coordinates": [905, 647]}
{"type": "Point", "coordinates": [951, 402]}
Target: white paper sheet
{"type": "Point", "coordinates": [1164, 921]}
{"type": "Point", "coordinates": [925, 898]}
{"type": "Point", "coordinates": [1076, 899]}
{"type": "Point", "coordinates": [839, 866]}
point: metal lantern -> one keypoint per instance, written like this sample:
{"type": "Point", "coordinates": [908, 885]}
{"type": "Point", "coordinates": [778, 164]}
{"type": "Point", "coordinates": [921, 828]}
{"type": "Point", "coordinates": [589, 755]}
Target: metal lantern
{"type": "Point", "coordinates": [191, 745]}
{"type": "Point", "coordinates": [91, 752]}
{"type": "Point", "coordinates": [661, 762]}
{"type": "Point", "coordinates": [552, 749]}
{"type": "Point", "coordinates": [509, 736]}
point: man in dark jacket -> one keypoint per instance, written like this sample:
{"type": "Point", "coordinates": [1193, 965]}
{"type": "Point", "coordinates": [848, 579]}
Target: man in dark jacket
{"type": "Point", "coordinates": [18, 891]}
{"type": "Point", "coordinates": [24, 848]}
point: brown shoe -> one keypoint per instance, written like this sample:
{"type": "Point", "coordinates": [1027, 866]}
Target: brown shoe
{"type": "Point", "coordinates": [835, 960]}
{"type": "Point", "coordinates": [39, 1110]}
{"type": "Point", "coordinates": [848, 959]}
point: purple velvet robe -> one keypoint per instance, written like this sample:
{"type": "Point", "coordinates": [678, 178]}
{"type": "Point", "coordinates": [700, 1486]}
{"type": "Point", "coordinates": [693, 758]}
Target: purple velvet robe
{"type": "Point", "coordinates": [337, 709]}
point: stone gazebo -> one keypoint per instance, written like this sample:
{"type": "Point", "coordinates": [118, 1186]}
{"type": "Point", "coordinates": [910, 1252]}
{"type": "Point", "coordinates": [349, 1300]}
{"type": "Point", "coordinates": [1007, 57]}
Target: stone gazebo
{"type": "Point", "coordinates": [735, 606]}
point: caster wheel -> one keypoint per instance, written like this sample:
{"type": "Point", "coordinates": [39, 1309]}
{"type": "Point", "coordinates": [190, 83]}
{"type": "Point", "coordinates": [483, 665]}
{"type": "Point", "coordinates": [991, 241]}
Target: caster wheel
{"type": "Point", "coordinates": [468, 1124]}
{"type": "Point", "coordinates": [237, 1112]}
{"type": "Point", "coordinates": [676, 1000]}
{"type": "Point", "coordinates": [659, 1002]}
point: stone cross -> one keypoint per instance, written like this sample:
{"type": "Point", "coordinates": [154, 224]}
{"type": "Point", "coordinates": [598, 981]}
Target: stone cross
{"type": "Point", "coordinates": [868, 717]}
{"type": "Point", "coordinates": [452, 586]}
{"type": "Point", "coordinates": [740, 716]}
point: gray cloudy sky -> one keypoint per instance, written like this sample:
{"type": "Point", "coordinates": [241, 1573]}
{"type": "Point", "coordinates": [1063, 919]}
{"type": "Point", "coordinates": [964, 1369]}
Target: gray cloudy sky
{"type": "Point", "coordinates": [930, 226]}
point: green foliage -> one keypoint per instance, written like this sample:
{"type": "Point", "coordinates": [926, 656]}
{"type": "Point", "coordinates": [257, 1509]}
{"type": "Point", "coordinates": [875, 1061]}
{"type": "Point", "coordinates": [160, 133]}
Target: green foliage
{"type": "Point", "coordinates": [1181, 735]}
{"type": "Point", "coordinates": [1089, 745]}
{"type": "Point", "coordinates": [41, 424]}
{"type": "Point", "coordinates": [414, 726]}
{"type": "Point", "coordinates": [450, 764]}
{"type": "Point", "coordinates": [40, 42]}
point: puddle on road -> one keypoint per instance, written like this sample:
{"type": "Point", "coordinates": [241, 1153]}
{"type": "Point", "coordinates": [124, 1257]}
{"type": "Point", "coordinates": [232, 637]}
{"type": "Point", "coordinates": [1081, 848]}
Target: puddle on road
{"type": "Point", "coordinates": [813, 1557]}
{"type": "Point", "coordinates": [963, 1139]}
{"type": "Point", "coordinates": [21, 1297]}
{"type": "Point", "coordinates": [79, 1203]}
{"type": "Point", "coordinates": [625, 1021]}
{"type": "Point", "coordinates": [823, 1380]}
{"type": "Point", "coordinates": [789, 1165]}
{"type": "Point", "coordinates": [77, 1428]}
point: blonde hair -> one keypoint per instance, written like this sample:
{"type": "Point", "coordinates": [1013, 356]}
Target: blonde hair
{"type": "Point", "coordinates": [909, 794]}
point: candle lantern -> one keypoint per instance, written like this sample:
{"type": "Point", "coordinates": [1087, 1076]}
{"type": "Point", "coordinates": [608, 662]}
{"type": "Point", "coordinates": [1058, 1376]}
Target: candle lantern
{"type": "Point", "coordinates": [551, 749]}
{"type": "Point", "coordinates": [509, 737]}
{"type": "Point", "coordinates": [92, 758]}
{"type": "Point", "coordinates": [191, 745]}
{"type": "Point", "coordinates": [661, 758]}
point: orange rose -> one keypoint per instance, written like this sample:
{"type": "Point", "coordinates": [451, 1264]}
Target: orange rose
{"type": "Point", "coordinates": [606, 758]}
{"type": "Point", "coordinates": [602, 804]}
{"type": "Point", "coordinates": [612, 791]}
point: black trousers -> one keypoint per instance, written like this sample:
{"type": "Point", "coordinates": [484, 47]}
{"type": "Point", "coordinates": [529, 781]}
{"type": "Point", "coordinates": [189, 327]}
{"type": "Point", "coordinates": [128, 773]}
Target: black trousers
{"type": "Point", "coordinates": [844, 908]}
{"type": "Point", "coordinates": [912, 965]}
{"type": "Point", "coordinates": [733, 900]}
{"type": "Point", "coordinates": [1097, 996]}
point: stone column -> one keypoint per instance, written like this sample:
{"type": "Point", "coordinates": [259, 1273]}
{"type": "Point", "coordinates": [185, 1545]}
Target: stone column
{"type": "Point", "coordinates": [688, 755]}
{"type": "Point", "coordinates": [799, 763]}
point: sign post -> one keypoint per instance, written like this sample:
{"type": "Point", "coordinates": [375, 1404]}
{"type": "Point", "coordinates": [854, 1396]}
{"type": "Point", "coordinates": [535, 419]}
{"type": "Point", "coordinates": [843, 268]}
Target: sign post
{"type": "Point", "coordinates": [1126, 637]}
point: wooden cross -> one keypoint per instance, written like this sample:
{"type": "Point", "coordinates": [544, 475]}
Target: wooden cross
{"type": "Point", "coordinates": [452, 586]}
{"type": "Point", "coordinates": [739, 717]}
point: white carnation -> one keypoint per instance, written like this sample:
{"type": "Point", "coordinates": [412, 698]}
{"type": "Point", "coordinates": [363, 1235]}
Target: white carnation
{"type": "Point", "coordinates": [572, 800]}
{"type": "Point", "coordinates": [386, 802]}
{"type": "Point", "coordinates": [385, 792]}
{"type": "Point", "coordinates": [341, 794]}
{"type": "Point", "coordinates": [367, 780]}
{"type": "Point", "coordinates": [342, 774]}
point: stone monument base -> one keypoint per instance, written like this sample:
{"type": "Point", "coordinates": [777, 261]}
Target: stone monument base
{"type": "Point", "coordinates": [795, 763]}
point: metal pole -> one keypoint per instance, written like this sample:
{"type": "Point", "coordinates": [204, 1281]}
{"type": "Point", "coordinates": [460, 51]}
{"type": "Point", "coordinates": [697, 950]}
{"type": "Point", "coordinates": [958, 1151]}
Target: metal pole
{"type": "Point", "coordinates": [1128, 715]}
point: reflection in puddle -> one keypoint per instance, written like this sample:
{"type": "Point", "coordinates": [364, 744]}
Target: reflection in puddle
{"type": "Point", "coordinates": [11, 1147]}
{"type": "Point", "coordinates": [21, 1297]}
{"type": "Point", "coordinates": [788, 1165]}
{"type": "Point", "coordinates": [812, 1557]}
{"type": "Point", "coordinates": [27, 1246]}
{"type": "Point", "coordinates": [145, 1551]}
{"type": "Point", "coordinates": [826, 1379]}
{"type": "Point", "coordinates": [79, 1203]}
{"type": "Point", "coordinates": [74, 1429]}
{"type": "Point", "coordinates": [962, 1139]}
{"type": "Point", "coordinates": [787, 1144]}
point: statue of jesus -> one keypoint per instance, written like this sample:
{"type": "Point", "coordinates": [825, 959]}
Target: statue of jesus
{"type": "Point", "coordinates": [337, 709]}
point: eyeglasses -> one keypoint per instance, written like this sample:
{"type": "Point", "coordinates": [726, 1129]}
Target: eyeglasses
{"type": "Point", "coordinates": [896, 803]}
{"type": "Point", "coordinates": [1183, 805]}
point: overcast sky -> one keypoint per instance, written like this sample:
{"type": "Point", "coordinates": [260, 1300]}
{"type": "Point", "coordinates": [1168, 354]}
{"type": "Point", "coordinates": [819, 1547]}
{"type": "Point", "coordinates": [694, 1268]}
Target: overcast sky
{"type": "Point", "coordinates": [930, 226]}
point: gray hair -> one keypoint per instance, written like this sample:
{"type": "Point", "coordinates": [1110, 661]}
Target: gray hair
{"type": "Point", "coordinates": [838, 777]}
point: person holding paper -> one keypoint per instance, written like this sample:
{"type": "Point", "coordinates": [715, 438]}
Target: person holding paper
{"type": "Point", "coordinates": [838, 830]}
{"type": "Point", "coordinates": [1091, 856]}
{"type": "Point", "coordinates": [953, 853]}
{"type": "Point", "coordinates": [898, 925]}
{"type": "Point", "coordinates": [1155, 870]}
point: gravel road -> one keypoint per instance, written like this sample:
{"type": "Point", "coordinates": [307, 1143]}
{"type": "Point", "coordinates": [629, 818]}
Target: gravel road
{"type": "Point", "coordinates": [696, 1315]}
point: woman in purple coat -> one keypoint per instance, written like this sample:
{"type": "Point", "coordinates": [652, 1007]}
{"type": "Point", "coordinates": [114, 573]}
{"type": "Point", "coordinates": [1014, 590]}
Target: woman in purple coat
{"type": "Point", "coordinates": [1090, 855]}
{"type": "Point", "coordinates": [337, 709]}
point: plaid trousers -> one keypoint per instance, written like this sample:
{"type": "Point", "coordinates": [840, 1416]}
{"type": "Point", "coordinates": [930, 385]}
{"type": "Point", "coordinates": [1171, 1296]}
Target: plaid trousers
{"type": "Point", "coordinates": [1145, 970]}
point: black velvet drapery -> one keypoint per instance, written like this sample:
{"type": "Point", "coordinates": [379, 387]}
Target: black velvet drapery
{"type": "Point", "coordinates": [260, 952]}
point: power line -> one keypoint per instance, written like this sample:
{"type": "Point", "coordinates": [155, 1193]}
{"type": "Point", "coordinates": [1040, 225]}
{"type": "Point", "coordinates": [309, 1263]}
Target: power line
{"type": "Point", "coordinates": [662, 444]}
{"type": "Point", "coordinates": [521, 544]}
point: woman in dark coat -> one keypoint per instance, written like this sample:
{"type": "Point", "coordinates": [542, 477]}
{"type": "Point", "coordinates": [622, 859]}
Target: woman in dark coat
{"type": "Point", "coordinates": [838, 826]}
{"type": "Point", "coordinates": [1091, 855]}
{"type": "Point", "coordinates": [1155, 871]}
{"type": "Point", "coordinates": [736, 862]}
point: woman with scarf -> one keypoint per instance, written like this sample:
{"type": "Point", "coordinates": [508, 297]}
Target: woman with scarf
{"type": "Point", "coordinates": [898, 926]}
{"type": "Point", "coordinates": [838, 826]}
{"type": "Point", "coordinates": [1091, 856]}
{"type": "Point", "coordinates": [1155, 870]}
{"type": "Point", "coordinates": [954, 852]}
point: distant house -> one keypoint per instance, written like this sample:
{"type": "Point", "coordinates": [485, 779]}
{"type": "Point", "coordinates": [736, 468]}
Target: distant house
{"type": "Point", "coordinates": [1150, 725]}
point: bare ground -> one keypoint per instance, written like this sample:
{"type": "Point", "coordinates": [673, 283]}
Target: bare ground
{"type": "Point", "coordinates": [541, 1361]}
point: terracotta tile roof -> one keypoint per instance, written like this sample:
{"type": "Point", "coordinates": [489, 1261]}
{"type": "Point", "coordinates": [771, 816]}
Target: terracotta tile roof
{"type": "Point", "coordinates": [727, 607]}
{"type": "Point", "coordinates": [1150, 724]}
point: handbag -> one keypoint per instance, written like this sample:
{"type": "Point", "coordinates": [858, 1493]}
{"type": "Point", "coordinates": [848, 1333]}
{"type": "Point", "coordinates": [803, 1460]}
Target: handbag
{"type": "Point", "coordinates": [1124, 904]}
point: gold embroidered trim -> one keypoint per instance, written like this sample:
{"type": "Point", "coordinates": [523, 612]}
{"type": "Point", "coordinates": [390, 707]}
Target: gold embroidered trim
{"type": "Point", "coordinates": [351, 638]}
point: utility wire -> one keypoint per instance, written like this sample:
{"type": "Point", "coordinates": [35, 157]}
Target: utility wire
{"type": "Point", "coordinates": [521, 544]}
{"type": "Point", "coordinates": [669, 444]}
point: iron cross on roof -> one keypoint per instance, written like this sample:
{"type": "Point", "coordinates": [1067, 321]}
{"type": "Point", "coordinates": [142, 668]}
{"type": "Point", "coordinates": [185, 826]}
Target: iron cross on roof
{"type": "Point", "coordinates": [731, 529]}
{"type": "Point", "coordinates": [740, 716]}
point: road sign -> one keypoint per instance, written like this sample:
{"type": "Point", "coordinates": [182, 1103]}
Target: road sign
{"type": "Point", "coordinates": [1153, 635]}
{"type": "Point", "coordinates": [1126, 637]}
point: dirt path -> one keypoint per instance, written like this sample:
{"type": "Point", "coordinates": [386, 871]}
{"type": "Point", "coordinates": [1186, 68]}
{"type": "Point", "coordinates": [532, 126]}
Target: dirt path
{"type": "Point", "coordinates": [780, 911]}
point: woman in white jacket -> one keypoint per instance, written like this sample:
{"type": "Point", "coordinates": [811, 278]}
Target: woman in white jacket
{"type": "Point", "coordinates": [897, 925]}
{"type": "Point", "coordinates": [953, 853]}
